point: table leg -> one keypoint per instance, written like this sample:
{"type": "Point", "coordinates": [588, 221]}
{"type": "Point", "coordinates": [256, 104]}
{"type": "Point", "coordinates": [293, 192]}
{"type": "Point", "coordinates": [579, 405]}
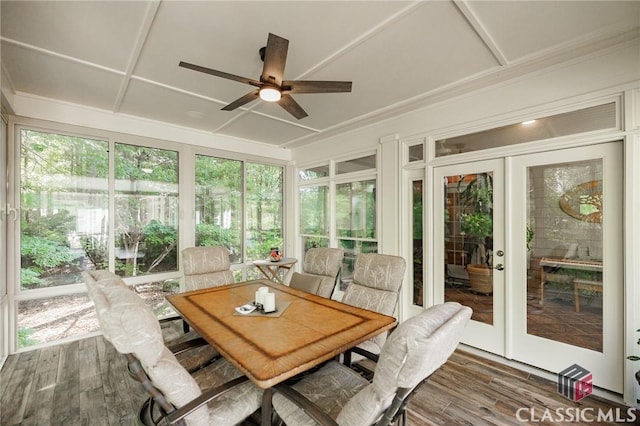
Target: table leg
{"type": "Point", "coordinates": [266, 407]}
{"type": "Point", "coordinates": [271, 274]}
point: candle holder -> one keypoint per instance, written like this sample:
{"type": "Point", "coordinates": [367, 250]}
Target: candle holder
{"type": "Point", "coordinates": [260, 307]}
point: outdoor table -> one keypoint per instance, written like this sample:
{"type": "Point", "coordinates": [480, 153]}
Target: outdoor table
{"type": "Point", "coordinates": [271, 270]}
{"type": "Point", "coordinates": [305, 330]}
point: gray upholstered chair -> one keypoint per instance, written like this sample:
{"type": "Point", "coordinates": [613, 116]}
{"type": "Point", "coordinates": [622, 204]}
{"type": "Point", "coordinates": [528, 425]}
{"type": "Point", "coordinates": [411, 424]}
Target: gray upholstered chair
{"type": "Point", "coordinates": [205, 267]}
{"type": "Point", "coordinates": [336, 395]}
{"type": "Point", "coordinates": [175, 395]}
{"type": "Point", "coordinates": [377, 279]}
{"type": "Point", "coordinates": [323, 263]}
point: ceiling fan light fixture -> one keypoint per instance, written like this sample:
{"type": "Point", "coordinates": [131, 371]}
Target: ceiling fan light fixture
{"type": "Point", "coordinates": [270, 94]}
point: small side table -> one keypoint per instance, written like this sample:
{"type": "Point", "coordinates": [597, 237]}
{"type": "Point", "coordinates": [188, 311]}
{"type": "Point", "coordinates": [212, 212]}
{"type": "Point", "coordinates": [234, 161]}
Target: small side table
{"type": "Point", "coordinates": [271, 270]}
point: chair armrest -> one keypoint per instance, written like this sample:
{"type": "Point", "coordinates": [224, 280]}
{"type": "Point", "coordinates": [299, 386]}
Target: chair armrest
{"type": "Point", "coordinates": [206, 397]}
{"type": "Point", "coordinates": [305, 404]}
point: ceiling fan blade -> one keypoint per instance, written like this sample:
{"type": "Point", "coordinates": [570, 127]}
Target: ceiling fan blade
{"type": "Point", "coordinates": [220, 74]}
{"type": "Point", "coordinates": [292, 86]}
{"type": "Point", "coordinates": [275, 57]}
{"type": "Point", "coordinates": [292, 107]}
{"type": "Point", "coordinates": [242, 100]}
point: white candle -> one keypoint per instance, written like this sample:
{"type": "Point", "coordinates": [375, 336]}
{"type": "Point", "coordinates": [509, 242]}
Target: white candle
{"type": "Point", "coordinates": [260, 294]}
{"type": "Point", "coordinates": [270, 302]}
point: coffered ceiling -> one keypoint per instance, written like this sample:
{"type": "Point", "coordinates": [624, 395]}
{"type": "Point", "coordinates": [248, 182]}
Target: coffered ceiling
{"type": "Point", "coordinates": [122, 56]}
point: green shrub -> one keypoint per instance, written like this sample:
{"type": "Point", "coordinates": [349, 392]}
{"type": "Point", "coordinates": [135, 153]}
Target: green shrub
{"type": "Point", "coordinates": [44, 253]}
{"type": "Point", "coordinates": [24, 337]}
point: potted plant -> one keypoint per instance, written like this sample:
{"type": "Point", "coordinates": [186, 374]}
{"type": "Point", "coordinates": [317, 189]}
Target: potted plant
{"type": "Point", "coordinates": [476, 223]}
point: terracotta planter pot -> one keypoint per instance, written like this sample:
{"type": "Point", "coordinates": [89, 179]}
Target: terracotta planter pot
{"type": "Point", "coordinates": [480, 278]}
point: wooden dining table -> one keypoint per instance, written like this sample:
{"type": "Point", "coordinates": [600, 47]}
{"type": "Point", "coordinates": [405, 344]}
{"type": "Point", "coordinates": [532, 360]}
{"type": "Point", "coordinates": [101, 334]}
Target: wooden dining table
{"type": "Point", "coordinates": [305, 330]}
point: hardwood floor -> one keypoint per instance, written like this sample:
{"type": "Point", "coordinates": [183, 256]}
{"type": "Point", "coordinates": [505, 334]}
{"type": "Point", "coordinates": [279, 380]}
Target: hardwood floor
{"type": "Point", "coordinates": [85, 383]}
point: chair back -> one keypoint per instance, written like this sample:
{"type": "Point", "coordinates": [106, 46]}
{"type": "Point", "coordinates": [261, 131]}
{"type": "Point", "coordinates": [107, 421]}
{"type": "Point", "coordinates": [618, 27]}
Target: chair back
{"type": "Point", "coordinates": [415, 349]}
{"type": "Point", "coordinates": [206, 267]}
{"type": "Point", "coordinates": [306, 282]}
{"type": "Point", "coordinates": [377, 279]}
{"type": "Point", "coordinates": [133, 329]}
{"type": "Point", "coordinates": [325, 263]}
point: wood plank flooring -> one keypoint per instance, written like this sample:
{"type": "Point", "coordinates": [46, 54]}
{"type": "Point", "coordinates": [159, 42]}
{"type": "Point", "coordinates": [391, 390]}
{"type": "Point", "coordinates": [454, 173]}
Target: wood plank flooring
{"type": "Point", "coordinates": [85, 383]}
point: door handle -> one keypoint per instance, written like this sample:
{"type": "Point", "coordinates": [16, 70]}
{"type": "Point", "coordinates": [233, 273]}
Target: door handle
{"type": "Point", "coordinates": [499, 267]}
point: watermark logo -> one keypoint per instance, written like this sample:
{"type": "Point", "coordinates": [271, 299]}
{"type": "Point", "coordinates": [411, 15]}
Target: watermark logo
{"type": "Point", "coordinates": [575, 382]}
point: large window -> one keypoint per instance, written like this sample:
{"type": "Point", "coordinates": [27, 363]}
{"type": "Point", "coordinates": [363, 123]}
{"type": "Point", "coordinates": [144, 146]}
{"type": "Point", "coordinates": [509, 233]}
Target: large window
{"type": "Point", "coordinates": [314, 216]}
{"type": "Point", "coordinates": [337, 208]}
{"type": "Point", "coordinates": [356, 220]}
{"type": "Point", "coordinates": [91, 203]}
{"type": "Point", "coordinates": [146, 210]}
{"type": "Point", "coordinates": [63, 208]}
{"type": "Point", "coordinates": [236, 199]}
{"type": "Point", "coordinates": [219, 207]}
{"type": "Point", "coordinates": [264, 204]}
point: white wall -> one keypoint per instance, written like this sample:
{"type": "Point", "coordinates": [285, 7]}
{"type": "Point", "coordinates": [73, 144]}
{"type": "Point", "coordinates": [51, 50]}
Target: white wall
{"type": "Point", "coordinates": [565, 87]}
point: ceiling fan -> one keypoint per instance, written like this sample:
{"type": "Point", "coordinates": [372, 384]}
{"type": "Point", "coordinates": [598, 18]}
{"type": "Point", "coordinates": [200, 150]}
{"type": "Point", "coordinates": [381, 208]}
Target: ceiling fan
{"type": "Point", "coordinates": [272, 87]}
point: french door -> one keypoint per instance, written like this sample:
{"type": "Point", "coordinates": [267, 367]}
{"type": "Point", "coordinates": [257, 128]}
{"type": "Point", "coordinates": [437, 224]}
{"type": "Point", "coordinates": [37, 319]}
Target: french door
{"type": "Point", "coordinates": [566, 287]}
{"type": "Point", "coordinates": [470, 197]}
{"type": "Point", "coordinates": [544, 231]}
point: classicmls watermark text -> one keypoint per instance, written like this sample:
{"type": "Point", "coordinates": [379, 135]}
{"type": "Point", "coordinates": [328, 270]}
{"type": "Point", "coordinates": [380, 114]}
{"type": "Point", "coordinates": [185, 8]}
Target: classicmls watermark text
{"type": "Point", "coordinates": [571, 414]}
{"type": "Point", "coordinates": [575, 383]}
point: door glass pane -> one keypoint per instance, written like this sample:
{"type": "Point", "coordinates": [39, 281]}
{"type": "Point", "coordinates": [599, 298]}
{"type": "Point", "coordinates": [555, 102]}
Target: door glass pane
{"type": "Point", "coordinates": [64, 202]}
{"type": "Point", "coordinates": [219, 204]}
{"type": "Point", "coordinates": [264, 210]}
{"type": "Point", "coordinates": [146, 216]}
{"type": "Point", "coordinates": [564, 247]}
{"type": "Point", "coordinates": [3, 221]}
{"type": "Point", "coordinates": [468, 223]}
{"type": "Point", "coordinates": [416, 202]}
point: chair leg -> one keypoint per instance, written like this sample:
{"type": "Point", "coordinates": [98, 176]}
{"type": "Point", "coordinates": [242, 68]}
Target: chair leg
{"type": "Point", "coordinates": [185, 327]}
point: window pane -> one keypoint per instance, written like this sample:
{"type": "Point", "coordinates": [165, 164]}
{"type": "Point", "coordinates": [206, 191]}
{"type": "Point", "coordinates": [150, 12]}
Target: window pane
{"type": "Point", "coordinates": [569, 123]}
{"type": "Point", "coordinates": [219, 204]}
{"type": "Point", "coordinates": [313, 242]}
{"type": "Point", "coordinates": [416, 153]}
{"type": "Point", "coordinates": [356, 209]}
{"type": "Point", "coordinates": [146, 200]}
{"type": "Point", "coordinates": [351, 249]}
{"type": "Point", "coordinates": [356, 165]}
{"type": "Point", "coordinates": [50, 319]}
{"type": "Point", "coordinates": [63, 208]}
{"type": "Point", "coordinates": [264, 209]}
{"type": "Point", "coordinates": [314, 205]}
{"type": "Point", "coordinates": [314, 172]}
{"type": "Point", "coordinates": [74, 315]}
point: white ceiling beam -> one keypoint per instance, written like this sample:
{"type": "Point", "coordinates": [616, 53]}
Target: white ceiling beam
{"type": "Point", "coordinates": [485, 36]}
{"type": "Point", "coordinates": [141, 39]}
